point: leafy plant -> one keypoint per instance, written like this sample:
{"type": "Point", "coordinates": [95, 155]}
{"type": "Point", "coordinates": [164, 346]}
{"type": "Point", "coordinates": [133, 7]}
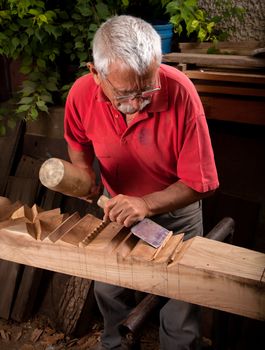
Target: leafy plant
{"type": "Point", "coordinates": [48, 37]}
{"type": "Point", "coordinates": [52, 40]}
{"type": "Point", "coordinates": [188, 16]}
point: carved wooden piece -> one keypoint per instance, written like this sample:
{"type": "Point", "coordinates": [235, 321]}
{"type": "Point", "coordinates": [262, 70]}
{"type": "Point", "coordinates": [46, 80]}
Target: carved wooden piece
{"type": "Point", "coordinates": [199, 270]}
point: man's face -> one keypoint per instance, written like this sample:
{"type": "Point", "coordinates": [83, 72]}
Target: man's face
{"type": "Point", "coordinates": [128, 91]}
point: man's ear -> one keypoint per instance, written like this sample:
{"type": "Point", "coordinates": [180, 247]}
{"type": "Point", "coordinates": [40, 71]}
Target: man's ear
{"type": "Point", "coordinates": [94, 72]}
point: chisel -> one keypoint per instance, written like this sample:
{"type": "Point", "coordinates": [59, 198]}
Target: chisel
{"type": "Point", "coordinates": [148, 230]}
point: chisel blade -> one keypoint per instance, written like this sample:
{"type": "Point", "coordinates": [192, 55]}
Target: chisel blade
{"type": "Point", "coordinates": [150, 232]}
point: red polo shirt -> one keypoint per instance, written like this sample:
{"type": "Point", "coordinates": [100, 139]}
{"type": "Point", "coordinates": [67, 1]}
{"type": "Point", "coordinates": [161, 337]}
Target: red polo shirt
{"type": "Point", "coordinates": [168, 141]}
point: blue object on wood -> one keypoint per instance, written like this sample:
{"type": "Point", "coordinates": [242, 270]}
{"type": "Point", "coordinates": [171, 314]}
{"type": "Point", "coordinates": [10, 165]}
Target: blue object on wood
{"type": "Point", "coordinates": [166, 32]}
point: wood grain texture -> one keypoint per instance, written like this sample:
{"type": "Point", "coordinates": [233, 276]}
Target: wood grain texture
{"type": "Point", "coordinates": [8, 146]}
{"type": "Point", "coordinates": [214, 60]}
{"type": "Point", "coordinates": [72, 303]}
{"type": "Point", "coordinates": [243, 110]}
{"type": "Point", "coordinates": [204, 272]}
{"type": "Point", "coordinates": [62, 176]}
{"type": "Point", "coordinates": [246, 78]}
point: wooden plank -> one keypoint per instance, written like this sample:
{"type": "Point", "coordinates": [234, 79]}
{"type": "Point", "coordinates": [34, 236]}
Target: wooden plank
{"type": "Point", "coordinates": [9, 272]}
{"type": "Point", "coordinates": [27, 292]}
{"type": "Point", "coordinates": [236, 48]}
{"type": "Point", "coordinates": [28, 167]}
{"type": "Point", "coordinates": [48, 125]}
{"type": "Point", "coordinates": [23, 187]}
{"type": "Point", "coordinates": [214, 60]}
{"type": "Point", "coordinates": [9, 275]}
{"type": "Point", "coordinates": [7, 208]}
{"type": "Point", "coordinates": [193, 267]}
{"type": "Point", "coordinates": [8, 146]}
{"type": "Point", "coordinates": [229, 90]}
{"type": "Point", "coordinates": [225, 277]}
{"type": "Point", "coordinates": [244, 110]}
{"type": "Point", "coordinates": [225, 76]}
{"type": "Point", "coordinates": [44, 147]}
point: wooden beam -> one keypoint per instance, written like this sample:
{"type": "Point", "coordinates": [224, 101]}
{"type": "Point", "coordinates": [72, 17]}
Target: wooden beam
{"type": "Point", "coordinates": [247, 110]}
{"type": "Point", "coordinates": [225, 47]}
{"type": "Point", "coordinates": [214, 60]}
{"type": "Point", "coordinates": [199, 270]}
{"type": "Point", "coordinates": [226, 76]}
{"type": "Point", "coordinates": [229, 90]}
{"type": "Point", "coordinates": [8, 146]}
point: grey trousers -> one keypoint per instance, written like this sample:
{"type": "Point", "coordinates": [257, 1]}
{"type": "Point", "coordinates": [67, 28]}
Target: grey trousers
{"type": "Point", "coordinates": [179, 321]}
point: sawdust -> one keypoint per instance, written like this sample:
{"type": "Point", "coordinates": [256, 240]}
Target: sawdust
{"type": "Point", "coordinates": [38, 334]}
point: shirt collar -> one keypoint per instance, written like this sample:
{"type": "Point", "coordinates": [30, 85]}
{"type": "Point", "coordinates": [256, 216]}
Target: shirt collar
{"type": "Point", "coordinates": [159, 101]}
{"type": "Point", "coordinates": [100, 96]}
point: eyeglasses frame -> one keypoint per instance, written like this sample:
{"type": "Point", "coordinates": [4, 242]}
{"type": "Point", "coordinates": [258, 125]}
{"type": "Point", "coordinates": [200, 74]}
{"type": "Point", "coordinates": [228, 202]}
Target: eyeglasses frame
{"type": "Point", "coordinates": [135, 95]}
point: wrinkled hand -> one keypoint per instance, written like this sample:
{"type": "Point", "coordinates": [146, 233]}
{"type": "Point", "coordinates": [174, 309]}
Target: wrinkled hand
{"type": "Point", "coordinates": [125, 210]}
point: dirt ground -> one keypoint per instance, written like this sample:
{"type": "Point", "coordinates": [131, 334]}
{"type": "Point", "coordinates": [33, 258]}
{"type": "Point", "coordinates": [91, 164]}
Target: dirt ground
{"type": "Point", "coordinates": [38, 334]}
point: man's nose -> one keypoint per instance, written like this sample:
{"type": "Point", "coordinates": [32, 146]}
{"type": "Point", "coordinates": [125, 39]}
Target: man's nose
{"type": "Point", "coordinates": [136, 101]}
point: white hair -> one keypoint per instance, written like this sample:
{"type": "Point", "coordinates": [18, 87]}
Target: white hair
{"type": "Point", "coordinates": [128, 39]}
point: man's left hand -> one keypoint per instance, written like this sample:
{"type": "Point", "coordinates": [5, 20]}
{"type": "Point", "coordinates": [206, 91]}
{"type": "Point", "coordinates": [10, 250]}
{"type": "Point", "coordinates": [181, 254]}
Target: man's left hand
{"type": "Point", "coordinates": [125, 210]}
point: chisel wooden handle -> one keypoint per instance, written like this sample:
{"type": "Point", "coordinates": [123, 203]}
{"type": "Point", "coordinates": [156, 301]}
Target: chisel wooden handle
{"type": "Point", "coordinates": [102, 201]}
{"type": "Point", "coordinates": [62, 176]}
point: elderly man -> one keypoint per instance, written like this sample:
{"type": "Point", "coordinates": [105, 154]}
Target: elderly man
{"type": "Point", "coordinates": [145, 124]}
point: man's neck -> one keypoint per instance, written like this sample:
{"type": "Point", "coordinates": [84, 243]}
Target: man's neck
{"type": "Point", "coordinates": [130, 117]}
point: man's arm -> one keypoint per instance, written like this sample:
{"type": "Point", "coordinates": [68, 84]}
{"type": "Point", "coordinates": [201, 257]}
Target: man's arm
{"type": "Point", "coordinates": [82, 160]}
{"type": "Point", "coordinates": [175, 196]}
{"type": "Point", "coordinates": [127, 210]}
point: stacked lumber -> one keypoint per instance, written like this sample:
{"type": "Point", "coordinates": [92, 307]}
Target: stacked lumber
{"type": "Point", "coordinates": [214, 60]}
{"type": "Point", "coordinates": [231, 86]}
{"type": "Point", "coordinates": [200, 270]}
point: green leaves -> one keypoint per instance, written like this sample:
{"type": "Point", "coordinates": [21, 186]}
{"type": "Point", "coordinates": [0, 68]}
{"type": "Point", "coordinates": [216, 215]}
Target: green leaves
{"type": "Point", "coordinates": [186, 14]}
{"type": "Point", "coordinates": [26, 100]}
{"type": "Point", "coordinates": [48, 37]}
{"type": "Point", "coordinates": [102, 11]}
{"type": "Point", "coordinates": [23, 108]}
{"type": "Point", "coordinates": [42, 106]}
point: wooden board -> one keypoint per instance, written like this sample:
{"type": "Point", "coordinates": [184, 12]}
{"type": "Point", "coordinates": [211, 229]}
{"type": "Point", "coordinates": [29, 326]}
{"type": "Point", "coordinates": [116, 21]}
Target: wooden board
{"type": "Point", "coordinates": [226, 77]}
{"type": "Point", "coordinates": [22, 187]}
{"type": "Point", "coordinates": [232, 108]}
{"type": "Point", "coordinates": [225, 47]}
{"type": "Point", "coordinates": [214, 60]}
{"type": "Point", "coordinates": [27, 294]}
{"type": "Point", "coordinates": [8, 146]}
{"type": "Point", "coordinates": [225, 277]}
{"type": "Point", "coordinates": [9, 275]}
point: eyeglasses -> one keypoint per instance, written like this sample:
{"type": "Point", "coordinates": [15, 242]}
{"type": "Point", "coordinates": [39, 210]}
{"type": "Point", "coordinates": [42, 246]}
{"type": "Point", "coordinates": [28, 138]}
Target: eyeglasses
{"type": "Point", "coordinates": [139, 94]}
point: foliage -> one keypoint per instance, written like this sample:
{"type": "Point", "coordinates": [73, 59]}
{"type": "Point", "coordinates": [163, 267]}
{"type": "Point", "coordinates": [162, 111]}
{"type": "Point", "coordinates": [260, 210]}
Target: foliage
{"type": "Point", "coordinates": [152, 11]}
{"type": "Point", "coordinates": [51, 36]}
{"type": "Point", "coordinates": [48, 37]}
{"type": "Point", "coordinates": [188, 16]}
